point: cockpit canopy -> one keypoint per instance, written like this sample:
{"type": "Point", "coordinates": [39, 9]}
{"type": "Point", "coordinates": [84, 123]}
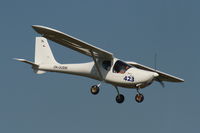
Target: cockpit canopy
{"type": "Point", "coordinates": [121, 67]}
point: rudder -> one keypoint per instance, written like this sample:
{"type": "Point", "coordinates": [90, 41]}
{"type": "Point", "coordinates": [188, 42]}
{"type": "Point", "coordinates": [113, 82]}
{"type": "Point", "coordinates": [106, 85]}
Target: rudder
{"type": "Point", "coordinates": [43, 53]}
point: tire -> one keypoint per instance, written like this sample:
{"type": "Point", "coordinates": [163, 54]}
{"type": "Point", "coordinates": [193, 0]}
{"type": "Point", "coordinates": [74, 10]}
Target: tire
{"type": "Point", "coordinates": [139, 98]}
{"type": "Point", "coordinates": [119, 98]}
{"type": "Point", "coordinates": [94, 90]}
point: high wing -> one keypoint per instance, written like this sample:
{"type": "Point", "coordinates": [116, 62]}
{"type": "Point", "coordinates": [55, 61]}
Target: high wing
{"type": "Point", "coordinates": [162, 76]}
{"type": "Point", "coordinates": [71, 42]}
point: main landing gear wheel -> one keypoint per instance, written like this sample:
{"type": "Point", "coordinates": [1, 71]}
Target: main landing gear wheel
{"type": "Point", "coordinates": [139, 98]}
{"type": "Point", "coordinates": [120, 98]}
{"type": "Point", "coordinates": [94, 89]}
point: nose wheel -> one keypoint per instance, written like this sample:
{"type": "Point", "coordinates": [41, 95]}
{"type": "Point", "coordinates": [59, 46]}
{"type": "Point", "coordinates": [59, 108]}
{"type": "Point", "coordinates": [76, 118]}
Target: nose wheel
{"type": "Point", "coordinates": [139, 97]}
{"type": "Point", "coordinates": [95, 89]}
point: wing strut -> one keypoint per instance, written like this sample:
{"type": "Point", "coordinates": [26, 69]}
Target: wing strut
{"type": "Point", "coordinates": [96, 65]}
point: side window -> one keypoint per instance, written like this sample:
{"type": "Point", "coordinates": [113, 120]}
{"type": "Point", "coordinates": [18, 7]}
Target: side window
{"type": "Point", "coordinates": [120, 67]}
{"type": "Point", "coordinates": [106, 64]}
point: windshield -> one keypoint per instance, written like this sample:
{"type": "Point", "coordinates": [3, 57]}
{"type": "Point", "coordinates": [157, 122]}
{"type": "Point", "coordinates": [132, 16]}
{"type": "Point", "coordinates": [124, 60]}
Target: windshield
{"type": "Point", "coordinates": [120, 67]}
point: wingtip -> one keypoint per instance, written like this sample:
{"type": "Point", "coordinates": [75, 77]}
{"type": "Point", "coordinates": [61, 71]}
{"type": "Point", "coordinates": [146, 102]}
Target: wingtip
{"type": "Point", "coordinates": [38, 28]}
{"type": "Point", "coordinates": [35, 26]}
{"type": "Point", "coordinates": [181, 80]}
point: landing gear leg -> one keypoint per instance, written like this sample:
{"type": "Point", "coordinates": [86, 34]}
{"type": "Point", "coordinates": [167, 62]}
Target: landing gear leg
{"type": "Point", "coordinates": [95, 89]}
{"type": "Point", "coordinates": [139, 97]}
{"type": "Point", "coordinates": [119, 98]}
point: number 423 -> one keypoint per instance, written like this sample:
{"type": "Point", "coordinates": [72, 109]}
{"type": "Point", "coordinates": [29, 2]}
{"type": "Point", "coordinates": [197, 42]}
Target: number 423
{"type": "Point", "coordinates": [129, 78]}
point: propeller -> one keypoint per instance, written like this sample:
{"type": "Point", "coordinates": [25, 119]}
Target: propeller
{"type": "Point", "coordinates": [155, 67]}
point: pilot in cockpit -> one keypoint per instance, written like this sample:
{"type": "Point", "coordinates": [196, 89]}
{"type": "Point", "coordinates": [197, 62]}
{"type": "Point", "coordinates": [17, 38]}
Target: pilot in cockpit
{"type": "Point", "coordinates": [120, 67]}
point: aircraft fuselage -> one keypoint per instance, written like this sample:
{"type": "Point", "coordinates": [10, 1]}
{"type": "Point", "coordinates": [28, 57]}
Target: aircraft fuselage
{"type": "Point", "coordinates": [132, 78]}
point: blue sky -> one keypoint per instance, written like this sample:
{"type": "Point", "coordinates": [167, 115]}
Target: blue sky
{"type": "Point", "coordinates": [134, 30]}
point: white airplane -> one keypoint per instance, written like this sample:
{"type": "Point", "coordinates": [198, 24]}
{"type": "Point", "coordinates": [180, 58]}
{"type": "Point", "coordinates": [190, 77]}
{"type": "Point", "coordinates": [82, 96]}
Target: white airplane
{"type": "Point", "coordinates": [104, 67]}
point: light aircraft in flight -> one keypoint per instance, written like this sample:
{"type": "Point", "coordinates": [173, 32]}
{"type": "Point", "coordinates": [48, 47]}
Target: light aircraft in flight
{"type": "Point", "coordinates": [105, 67]}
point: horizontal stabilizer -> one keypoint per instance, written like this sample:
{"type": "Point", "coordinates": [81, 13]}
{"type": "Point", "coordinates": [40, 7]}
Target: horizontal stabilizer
{"type": "Point", "coordinates": [26, 61]}
{"type": "Point", "coordinates": [34, 66]}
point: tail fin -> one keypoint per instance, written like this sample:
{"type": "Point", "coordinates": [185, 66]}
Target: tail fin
{"type": "Point", "coordinates": [43, 53]}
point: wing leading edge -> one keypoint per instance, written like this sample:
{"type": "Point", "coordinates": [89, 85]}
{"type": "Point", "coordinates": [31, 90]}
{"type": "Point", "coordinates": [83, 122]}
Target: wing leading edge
{"type": "Point", "coordinates": [162, 76]}
{"type": "Point", "coordinates": [72, 42]}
